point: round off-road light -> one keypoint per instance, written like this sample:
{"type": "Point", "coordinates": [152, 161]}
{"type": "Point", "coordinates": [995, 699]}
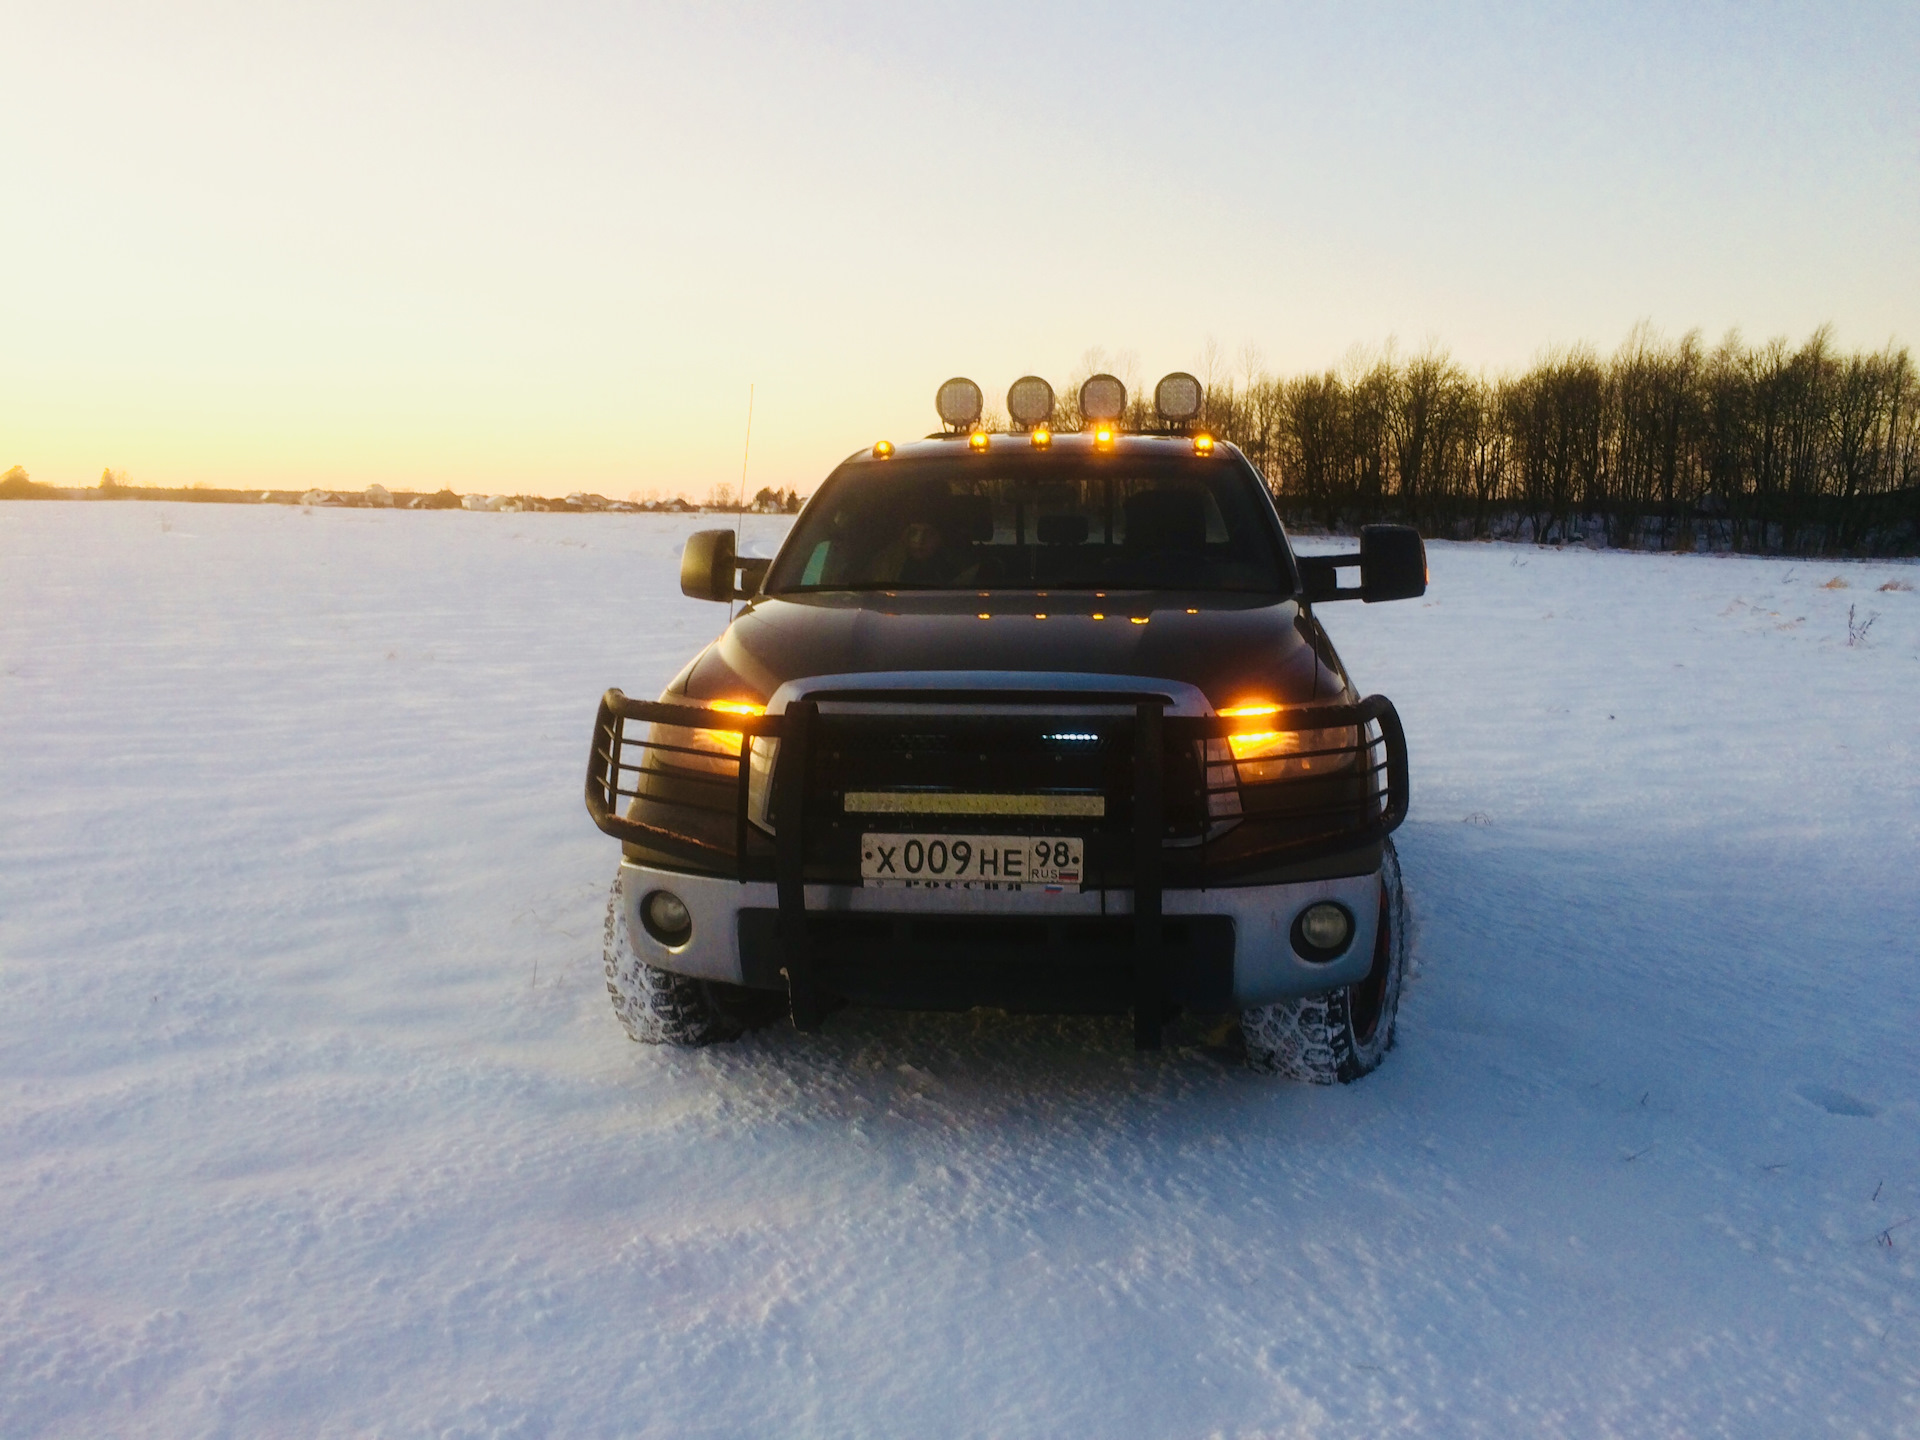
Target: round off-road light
{"type": "Point", "coordinates": [1178, 397]}
{"type": "Point", "coordinates": [1030, 401]}
{"type": "Point", "coordinates": [1322, 931]}
{"type": "Point", "coordinates": [958, 402]}
{"type": "Point", "coordinates": [1103, 397]}
{"type": "Point", "coordinates": [667, 918]}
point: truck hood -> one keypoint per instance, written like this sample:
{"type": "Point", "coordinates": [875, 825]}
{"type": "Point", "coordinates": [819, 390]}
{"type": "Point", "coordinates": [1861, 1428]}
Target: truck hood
{"type": "Point", "coordinates": [1231, 648]}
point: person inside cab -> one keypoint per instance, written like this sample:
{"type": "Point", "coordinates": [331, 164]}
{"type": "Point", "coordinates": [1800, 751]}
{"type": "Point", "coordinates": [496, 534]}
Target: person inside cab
{"type": "Point", "coordinates": [932, 546]}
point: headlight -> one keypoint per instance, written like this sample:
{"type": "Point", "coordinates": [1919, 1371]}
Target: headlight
{"type": "Point", "coordinates": [1265, 755]}
{"type": "Point", "coordinates": [705, 752]}
{"type": "Point", "coordinates": [673, 748]}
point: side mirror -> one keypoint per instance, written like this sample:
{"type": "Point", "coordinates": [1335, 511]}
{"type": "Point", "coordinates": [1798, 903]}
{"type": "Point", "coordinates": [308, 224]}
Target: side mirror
{"type": "Point", "coordinates": [1392, 563]}
{"type": "Point", "coordinates": [708, 566]}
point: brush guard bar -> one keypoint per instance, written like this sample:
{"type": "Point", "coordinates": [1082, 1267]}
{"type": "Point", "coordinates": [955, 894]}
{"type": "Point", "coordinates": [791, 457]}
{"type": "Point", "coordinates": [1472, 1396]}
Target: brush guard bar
{"type": "Point", "coordinates": [689, 770]}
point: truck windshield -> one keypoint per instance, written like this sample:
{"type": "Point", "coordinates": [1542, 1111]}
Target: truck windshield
{"type": "Point", "coordinates": [1057, 522]}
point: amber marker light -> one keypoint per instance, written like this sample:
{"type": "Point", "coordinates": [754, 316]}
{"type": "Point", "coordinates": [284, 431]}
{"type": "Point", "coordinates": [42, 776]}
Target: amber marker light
{"type": "Point", "coordinates": [1042, 438]}
{"type": "Point", "coordinates": [1040, 615]}
{"type": "Point", "coordinates": [1247, 708]}
{"type": "Point", "coordinates": [978, 440]}
{"type": "Point", "coordinates": [1203, 444]}
{"type": "Point", "coordinates": [1103, 437]}
{"type": "Point", "coordinates": [724, 741]}
{"type": "Point", "coordinates": [883, 449]}
{"type": "Point", "coordinates": [983, 615]}
{"type": "Point", "coordinates": [1139, 619]}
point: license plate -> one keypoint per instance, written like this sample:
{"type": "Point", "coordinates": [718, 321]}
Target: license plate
{"type": "Point", "coordinates": [1048, 863]}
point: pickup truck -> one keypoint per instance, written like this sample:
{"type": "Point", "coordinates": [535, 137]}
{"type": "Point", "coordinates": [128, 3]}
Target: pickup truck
{"type": "Point", "coordinates": [1038, 721]}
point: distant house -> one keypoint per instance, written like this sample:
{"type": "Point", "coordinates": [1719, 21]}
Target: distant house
{"type": "Point", "coordinates": [320, 497]}
{"type": "Point", "coordinates": [473, 502]}
{"type": "Point", "coordinates": [379, 495]}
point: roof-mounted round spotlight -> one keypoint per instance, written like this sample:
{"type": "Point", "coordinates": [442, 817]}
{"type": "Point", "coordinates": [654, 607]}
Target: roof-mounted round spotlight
{"type": "Point", "coordinates": [1179, 397]}
{"type": "Point", "coordinates": [1103, 398]}
{"type": "Point", "coordinates": [1030, 402]}
{"type": "Point", "coordinates": [958, 402]}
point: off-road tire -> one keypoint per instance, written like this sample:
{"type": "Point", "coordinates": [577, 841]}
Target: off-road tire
{"type": "Point", "coordinates": [659, 1007]}
{"type": "Point", "coordinates": [1345, 1033]}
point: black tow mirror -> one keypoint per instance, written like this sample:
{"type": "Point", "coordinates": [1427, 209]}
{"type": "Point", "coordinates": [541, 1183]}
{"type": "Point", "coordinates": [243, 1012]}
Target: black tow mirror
{"type": "Point", "coordinates": [1392, 563]}
{"type": "Point", "coordinates": [708, 567]}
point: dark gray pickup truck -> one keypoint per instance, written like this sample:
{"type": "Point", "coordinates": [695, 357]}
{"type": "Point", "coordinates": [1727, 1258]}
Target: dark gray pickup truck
{"type": "Point", "coordinates": [1036, 721]}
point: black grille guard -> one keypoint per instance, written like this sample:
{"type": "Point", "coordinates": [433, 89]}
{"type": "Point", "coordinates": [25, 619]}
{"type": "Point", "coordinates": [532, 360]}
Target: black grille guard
{"type": "Point", "coordinates": [709, 780]}
{"type": "Point", "coordinates": [687, 768]}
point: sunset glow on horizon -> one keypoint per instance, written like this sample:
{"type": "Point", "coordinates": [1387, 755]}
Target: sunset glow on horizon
{"type": "Point", "coordinates": [538, 250]}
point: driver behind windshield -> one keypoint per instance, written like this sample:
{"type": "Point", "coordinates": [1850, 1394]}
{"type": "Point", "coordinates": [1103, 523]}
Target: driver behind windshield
{"type": "Point", "coordinates": [930, 548]}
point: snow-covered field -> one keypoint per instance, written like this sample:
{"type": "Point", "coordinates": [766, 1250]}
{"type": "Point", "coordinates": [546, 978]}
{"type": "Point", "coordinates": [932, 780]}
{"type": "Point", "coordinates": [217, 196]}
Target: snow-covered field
{"type": "Point", "coordinates": [314, 1119]}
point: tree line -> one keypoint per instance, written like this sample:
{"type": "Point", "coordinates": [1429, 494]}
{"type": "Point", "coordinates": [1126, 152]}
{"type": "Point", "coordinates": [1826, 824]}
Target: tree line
{"type": "Point", "coordinates": [1663, 445]}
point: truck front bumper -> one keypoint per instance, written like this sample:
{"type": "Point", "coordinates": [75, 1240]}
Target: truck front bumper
{"type": "Point", "coordinates": [1221, 949]}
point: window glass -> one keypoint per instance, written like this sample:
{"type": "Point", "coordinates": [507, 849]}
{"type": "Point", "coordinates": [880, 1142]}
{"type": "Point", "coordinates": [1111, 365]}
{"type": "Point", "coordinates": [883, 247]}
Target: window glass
{"type": "Point", "coordinates": [1045, 521]}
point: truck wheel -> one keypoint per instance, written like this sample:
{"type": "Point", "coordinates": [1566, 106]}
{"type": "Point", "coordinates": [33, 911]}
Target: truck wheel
{"type": "Point", "coordinates": [659, 1007]}
{"type": "Point", "coordinates": [1347, 1032]}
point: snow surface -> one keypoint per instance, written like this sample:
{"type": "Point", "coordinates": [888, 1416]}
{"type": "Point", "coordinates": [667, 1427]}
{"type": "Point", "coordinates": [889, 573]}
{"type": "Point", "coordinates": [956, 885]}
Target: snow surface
{"type": "Point", "coordinates": [314, 1119]}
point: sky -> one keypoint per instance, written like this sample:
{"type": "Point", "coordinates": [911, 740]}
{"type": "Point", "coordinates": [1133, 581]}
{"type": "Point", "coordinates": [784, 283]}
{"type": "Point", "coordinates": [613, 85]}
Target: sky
{"type": "Point", "coordinates": [543, 248]}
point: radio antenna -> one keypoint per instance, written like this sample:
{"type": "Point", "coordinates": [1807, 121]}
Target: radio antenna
{"type": "Point", "coordinates": [740, 514]}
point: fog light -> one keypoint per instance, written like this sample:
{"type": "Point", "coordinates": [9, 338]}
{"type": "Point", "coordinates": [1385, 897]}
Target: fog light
{"type": "Point", "coordinates": [667, 918]}
{"type": "Point", "coordinates": [1322, 931]}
